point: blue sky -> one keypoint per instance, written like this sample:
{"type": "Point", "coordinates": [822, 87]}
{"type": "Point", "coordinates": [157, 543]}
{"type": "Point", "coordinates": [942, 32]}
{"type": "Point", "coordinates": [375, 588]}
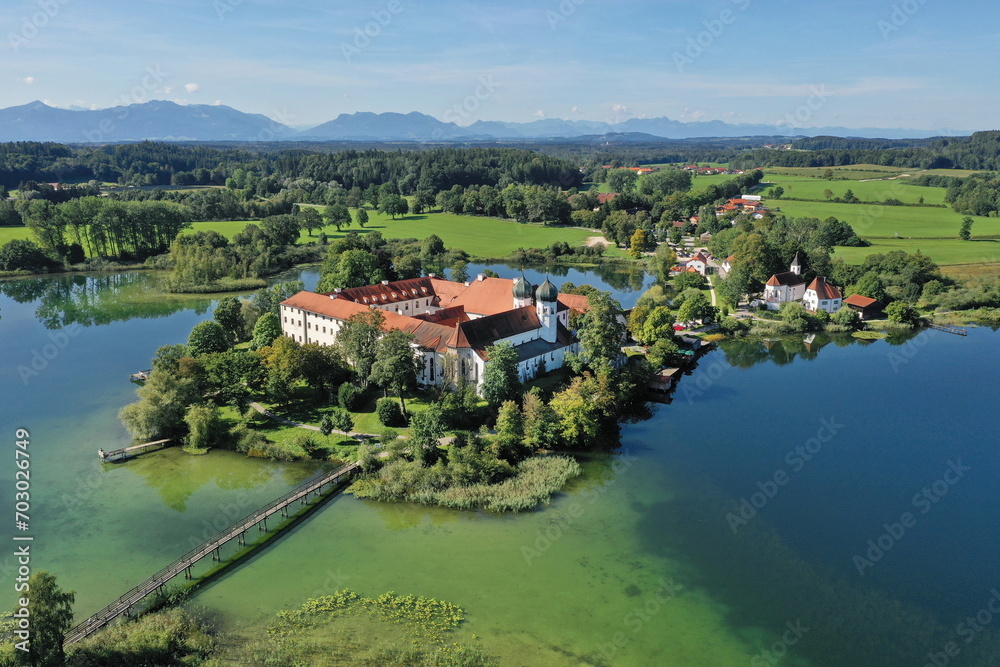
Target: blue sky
{"type": "Point", "coordinates": [920, 64]}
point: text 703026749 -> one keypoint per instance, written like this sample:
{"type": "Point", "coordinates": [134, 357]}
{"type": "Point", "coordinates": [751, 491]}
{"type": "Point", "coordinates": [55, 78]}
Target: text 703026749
{"type": "Point", "coordinates": [22, 546]}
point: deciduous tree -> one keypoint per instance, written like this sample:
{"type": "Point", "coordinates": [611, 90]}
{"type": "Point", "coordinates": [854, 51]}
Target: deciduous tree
{"type": "Point", "coordinates": [501, 381]}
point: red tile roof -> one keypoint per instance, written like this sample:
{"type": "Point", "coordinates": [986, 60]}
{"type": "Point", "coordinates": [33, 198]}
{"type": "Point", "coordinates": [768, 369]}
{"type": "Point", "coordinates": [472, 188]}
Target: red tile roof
{"type": "Point", "coordinates": [605, 197]}
{"type": "Point", "coordinates": [323, 304]}
{"type": "Point", "coordinates": [401, 290]}
{"type": "Point", "coordinates": [486, 297]}
{"type": "Point", "coordinates": [786, 278]}
{"type": "Point", "coordinates": [824, 290]}
{"type": "Point", "coordinates": [575, 302]}
{"type": "Point", "coordinates": [861, 301]}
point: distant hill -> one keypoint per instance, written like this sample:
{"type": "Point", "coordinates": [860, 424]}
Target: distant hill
{"type": "Point", "coordinates": [367, 126]}
{"type": "Point", "coordinates": [159, 120]}
{"type": "Point", "coordinates": [167, 121]}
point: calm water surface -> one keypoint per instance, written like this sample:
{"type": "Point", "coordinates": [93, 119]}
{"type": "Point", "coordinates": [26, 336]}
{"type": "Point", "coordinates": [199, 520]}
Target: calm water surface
{"type": "Point", "coordinates": [646, 560]}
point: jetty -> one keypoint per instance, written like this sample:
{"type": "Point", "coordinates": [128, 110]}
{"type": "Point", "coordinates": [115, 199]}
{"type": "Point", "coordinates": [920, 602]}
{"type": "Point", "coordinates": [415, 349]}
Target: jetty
{"type": "Point", "coordinates": [127, 452]}
{"type": "Point", "coordinates": [958, 331]}
{"type": "Point", "coordinates": [141, 376]}
{"type": "Point", "coordinates": [130, 602]}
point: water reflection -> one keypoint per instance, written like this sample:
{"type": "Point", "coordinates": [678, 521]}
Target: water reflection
{"type": "Point", "coordinates": [99, 299]}
{"type": "Point", "coordinates": [176, 476]}
{"type": "Point", "coordinates": [626, 283]}
{"type": "Point", "coordinates": [783, 351]}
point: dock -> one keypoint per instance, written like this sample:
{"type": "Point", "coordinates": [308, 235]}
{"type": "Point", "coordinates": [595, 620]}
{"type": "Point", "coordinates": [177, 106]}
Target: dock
{"type": "Point", "coordinates": [131, 602]}
{"type": "Point", "coordinates": [958, 331]}
{"type": "Point", "coordinates": [141, 376]}
{"type": "Point", "coordinates": [128, 452]}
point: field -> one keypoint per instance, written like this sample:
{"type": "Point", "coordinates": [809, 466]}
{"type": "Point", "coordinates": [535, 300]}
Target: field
{"type": "Point", "coordinates": [802, 187]}
{"type": "Point", "coordinates": [702, 183]}
{"type": "Point", "coordinates": [871, 221]}
{"type": "Point", "coordinates": [11, 233]}
{"type": "Point", "coordinates": [942, 251]}
{"type": "Point", "coordinates": [853, 172]}
{"type": "Point", "coordinates": [478, 236]}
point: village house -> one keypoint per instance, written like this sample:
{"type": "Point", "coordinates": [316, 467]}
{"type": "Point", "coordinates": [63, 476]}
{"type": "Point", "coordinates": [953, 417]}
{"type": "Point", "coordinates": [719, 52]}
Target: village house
{"type": "Point", "coordinates": [821, 295]}
{"type": "Point", "coordinates": [452, 323]}
{"type": "Point", "coordinates": [699, 263]}
{"type": "Point", "coordinates": [751, 204]}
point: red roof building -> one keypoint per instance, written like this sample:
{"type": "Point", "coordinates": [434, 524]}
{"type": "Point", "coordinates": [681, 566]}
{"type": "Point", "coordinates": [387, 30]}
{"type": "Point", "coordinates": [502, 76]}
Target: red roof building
{"type": "Point", "coordinates": [452, 324]}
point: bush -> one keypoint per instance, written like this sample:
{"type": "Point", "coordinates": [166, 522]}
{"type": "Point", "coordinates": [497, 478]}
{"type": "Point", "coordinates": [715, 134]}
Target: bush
{"type": "Point", "coordinates": [389, 412]}
{"type": "Point", "coordinates": [171, 637]}
{"type": "Point", "coordinates": [349, 396]}
{"type": "Point", "coordinates": [734, 327]}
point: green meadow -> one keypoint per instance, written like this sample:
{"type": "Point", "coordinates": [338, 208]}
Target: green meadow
{"type": "Point", "coordinates": [702, 183]}
{"type": "Point", "coordinates": [943, 251]}
{"type": "Point", "coordinates": [11, 233]}
{"type": "Point", "coordinates": [854, 172]}
{"type": "Point", "coordinates": [802, 187]}
{"type": "Point", "coordinates": [871, 221]}
{"type": "Point", "coordinates": [478, 236]}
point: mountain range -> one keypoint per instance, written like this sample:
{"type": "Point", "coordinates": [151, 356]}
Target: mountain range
{"type": "Point", "coordinates": [168, 121]}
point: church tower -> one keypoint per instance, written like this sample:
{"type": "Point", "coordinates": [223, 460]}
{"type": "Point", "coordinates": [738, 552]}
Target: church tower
{"type": "Point", "coordinates": [547, 307]}
{"type": "Point", "coordinates": [522, 292]}
{"type": "Point", "coordinates": [796, 266]}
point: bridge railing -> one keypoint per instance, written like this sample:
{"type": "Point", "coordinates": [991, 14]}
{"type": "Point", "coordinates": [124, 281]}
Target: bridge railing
{"type": "Point", "coordinates": [141, 590]}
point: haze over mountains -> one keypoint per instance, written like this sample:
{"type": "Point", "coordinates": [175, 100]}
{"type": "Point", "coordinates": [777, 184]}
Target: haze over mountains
{"type": "Point", "coordinates": [168, 121]}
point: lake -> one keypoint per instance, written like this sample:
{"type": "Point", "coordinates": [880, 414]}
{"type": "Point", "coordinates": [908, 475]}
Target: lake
{"type": "Point", "coordinates": [829, 502]}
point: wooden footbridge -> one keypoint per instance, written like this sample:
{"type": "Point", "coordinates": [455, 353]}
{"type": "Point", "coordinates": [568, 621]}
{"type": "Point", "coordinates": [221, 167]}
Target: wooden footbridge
{"type": "Point", "coordinates": [958, 331]}
{"type": "Point", "coordinates": [130, 601]}
{"type": "Point", "coordinates": [126, 452]}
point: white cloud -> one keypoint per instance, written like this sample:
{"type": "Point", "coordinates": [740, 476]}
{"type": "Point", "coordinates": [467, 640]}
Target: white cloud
{"type": "Point", "coordinates": [192, 87]}
{"type": "Point", "coordinates": [217, 103]}
{"type": "Point", "coordinates": [575, 110]}
{"type": "Point", "coordinates": [689, 114]}
{"type": "Point", "coordinates": [28, 80]}
{"type": "Point", "coordinates": [539, 114]}
{"type": "Point", "coordinates": [620, 108]}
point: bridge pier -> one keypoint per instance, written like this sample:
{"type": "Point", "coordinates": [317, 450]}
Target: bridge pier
{"type": "Point", "coordinates": [241, 539]}
{"type": "Point", "coordinates": [217, 555]}
{"type": "Point", "coordinates": [187, 572]}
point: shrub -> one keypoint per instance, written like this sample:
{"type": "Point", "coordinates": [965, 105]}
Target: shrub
{"type": "Point", "coordinates": [349, 396]}
{"type": "Point", "coordinates": [389, 412]}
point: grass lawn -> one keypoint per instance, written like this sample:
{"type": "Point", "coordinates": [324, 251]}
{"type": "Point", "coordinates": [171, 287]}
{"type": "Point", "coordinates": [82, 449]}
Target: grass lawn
{"type": "Point", "coordinates": [306, 409]}
{"type": "Point", "coordinates": [850, 171]}
{"type": "Point", "coordinates": [702, 183]}
{"type": "Point", "coordinates": [11, 233]}
{"type": "Point", "coordinates": [942, 251]}
{"type": "Point", "coordinates": [478, 236]}
{"type": "Point", "coordinates": [888, 221]}
{"type": "Point", "coordinates": [801, 187]}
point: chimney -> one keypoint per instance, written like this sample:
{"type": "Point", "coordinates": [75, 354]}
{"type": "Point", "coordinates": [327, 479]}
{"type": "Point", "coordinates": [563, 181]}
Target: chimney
{"type": "Point", "coordinates": [385, 282]}
{"type": "Point", "coordinates": [432, 275]}
{"type": "Point", "coordinates": [337, 290]}
{"type": "Point", "coordinates": [480, 278]}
